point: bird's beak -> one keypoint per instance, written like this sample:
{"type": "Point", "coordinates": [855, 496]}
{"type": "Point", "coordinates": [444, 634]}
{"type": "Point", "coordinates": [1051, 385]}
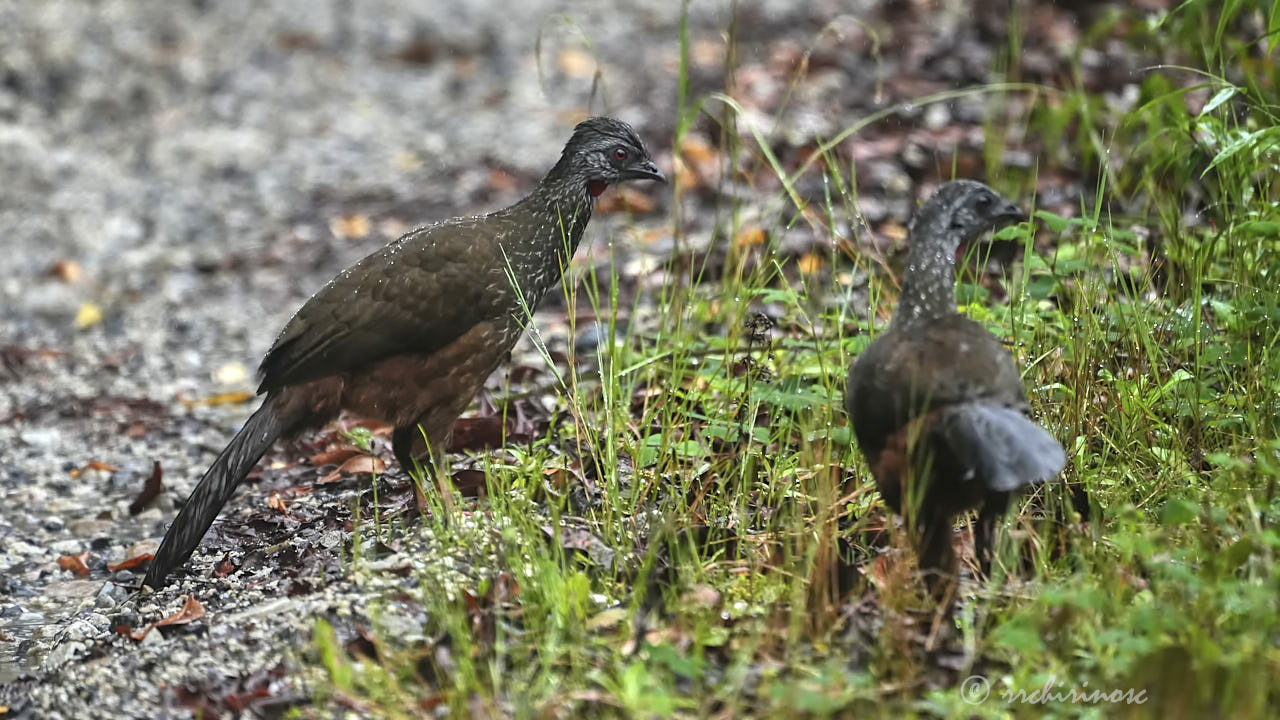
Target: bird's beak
{"type": "Point", "coordinates": [1010, 214]}
{"type": "Point", "coordinates": [647, 170]}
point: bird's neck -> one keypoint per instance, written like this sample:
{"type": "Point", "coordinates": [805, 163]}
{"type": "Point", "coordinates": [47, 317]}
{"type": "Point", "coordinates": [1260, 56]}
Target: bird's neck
{"type": "Point", "coordinates": [548, 225]}
{"type": "Point", "coordinates": [928, 283]}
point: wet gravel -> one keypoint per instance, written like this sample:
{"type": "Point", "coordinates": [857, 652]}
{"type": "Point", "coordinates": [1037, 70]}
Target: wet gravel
{"type": "Point", "coordinates": [184, 169]}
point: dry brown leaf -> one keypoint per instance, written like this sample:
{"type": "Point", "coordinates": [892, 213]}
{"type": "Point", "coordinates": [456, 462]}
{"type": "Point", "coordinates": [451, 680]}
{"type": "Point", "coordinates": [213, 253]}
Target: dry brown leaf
{"type": "Point", "coordinates": [137, 554]}
{"type": "Point", "coordinates": [894, 231]}
{"type": "Point", "coordinates": [68, 271]}
{"type": "Point", "coordinates": [699, 153]}
{"type": "Point", "coordinates": [750, 236]}
{"type": "Point", "coordinates": [878, 573]}
{"type": "Point", "coordinates": [275, 502]}
{"type": "Point", "coordinates": [626, 199]}
{"type": "Point", "coordinates": [503, 181]}
{"type": "Point", "coordinates": [191, 610]}
{"type": "Point", "coordinates": [359, 465]}
{"type": "Point", "coordinates": [78, 564]}
{"type": "Point", "coordinates": [810, 263]}
{"type": "Point", "coordinates": [336, 456]}
{"type": "Point", "coordinates": [684, 175]}
{"type": "Point", "coordinates": [93, 465]}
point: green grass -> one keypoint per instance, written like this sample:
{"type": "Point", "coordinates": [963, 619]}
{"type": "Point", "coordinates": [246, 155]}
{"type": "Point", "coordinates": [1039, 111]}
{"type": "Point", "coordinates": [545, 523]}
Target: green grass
{"type": "Point", "coordinates": [723, 471]}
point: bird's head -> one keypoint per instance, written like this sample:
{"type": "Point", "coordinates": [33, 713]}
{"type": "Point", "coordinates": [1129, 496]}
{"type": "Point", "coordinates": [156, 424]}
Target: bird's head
{"type": "Point", "coordinates": [603, 152]}
{"type": "Point", "coordinates": [960, 210]}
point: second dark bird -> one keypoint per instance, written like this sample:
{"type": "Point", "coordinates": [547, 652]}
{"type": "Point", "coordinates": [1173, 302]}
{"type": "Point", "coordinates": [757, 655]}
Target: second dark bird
{"type": "Point", "coordinates": [936, 401]}
{"type": "Point", "coordinates": [408, 335]}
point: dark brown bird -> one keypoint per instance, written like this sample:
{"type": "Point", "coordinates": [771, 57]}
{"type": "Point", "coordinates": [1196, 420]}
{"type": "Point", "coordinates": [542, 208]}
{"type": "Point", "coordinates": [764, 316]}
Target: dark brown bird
{"type": "Point", "coordinates": [408, 335]}
{"type": "Point", "coordinates": [936, 402]}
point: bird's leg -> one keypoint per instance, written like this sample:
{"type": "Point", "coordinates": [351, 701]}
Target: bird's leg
{"type": "Point", "coordinates": [406, 442]}
{"type": "Point", "coordinates": [937, 559]}
{"type": "Point", "coordinates": [984, 530]}
{"type": "Point", "coordinates": [402, 444]}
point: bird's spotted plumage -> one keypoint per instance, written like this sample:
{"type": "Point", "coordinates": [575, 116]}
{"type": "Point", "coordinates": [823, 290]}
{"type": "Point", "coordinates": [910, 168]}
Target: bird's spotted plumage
{"type": "Point", "coordinates": [408, 334]}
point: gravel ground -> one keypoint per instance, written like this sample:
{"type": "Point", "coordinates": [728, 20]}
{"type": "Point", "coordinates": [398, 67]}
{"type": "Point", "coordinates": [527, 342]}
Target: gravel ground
{"type": "Point", "coordinates": [179, 176]}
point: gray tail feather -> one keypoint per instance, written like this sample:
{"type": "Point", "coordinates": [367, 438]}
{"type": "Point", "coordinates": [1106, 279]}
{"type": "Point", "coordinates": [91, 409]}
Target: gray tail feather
{"type": "Point", "coordinates": [214, 490]}
{"type": "Point", "coordinates": [1002, 445]}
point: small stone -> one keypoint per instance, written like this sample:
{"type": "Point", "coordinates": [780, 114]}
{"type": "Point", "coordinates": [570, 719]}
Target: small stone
{"type": "Point", "coordinates": [62, 654]}
{"type": "Point", "coordinates": [53, 524]}
{"type": "Point", "coordinates": [43, 438]}
{"type": "Point", "coordinates": [90, 528]}
{"type": "Point", "coordinates": [153, 639]}
{"type": "Point", "coordinates": [80, 630]}
{"type": "Point", "coordinates": [28, 618]}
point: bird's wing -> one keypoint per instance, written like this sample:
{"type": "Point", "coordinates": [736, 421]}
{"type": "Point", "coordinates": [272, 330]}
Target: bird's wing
{"type": "Point", "coordinates": [1002, 446]}
{"type": "Point", "coordinates": [901, 376]}
{"type": "Point", "coordinates": [417, 294]}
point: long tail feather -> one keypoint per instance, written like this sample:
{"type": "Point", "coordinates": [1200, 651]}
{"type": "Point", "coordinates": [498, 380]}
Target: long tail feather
{"type": "Point", "coordinates": [214, 490]}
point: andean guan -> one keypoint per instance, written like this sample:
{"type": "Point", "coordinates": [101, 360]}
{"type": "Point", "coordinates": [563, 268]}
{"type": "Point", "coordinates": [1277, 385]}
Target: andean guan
{"type": "Point", "coordinates": [408, 335]}
{"type": "Point", "coordinates": [936, 401]}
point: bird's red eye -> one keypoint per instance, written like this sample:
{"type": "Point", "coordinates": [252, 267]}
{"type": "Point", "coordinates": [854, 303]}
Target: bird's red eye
{"type": "Point", "coordinates": [619, 153]}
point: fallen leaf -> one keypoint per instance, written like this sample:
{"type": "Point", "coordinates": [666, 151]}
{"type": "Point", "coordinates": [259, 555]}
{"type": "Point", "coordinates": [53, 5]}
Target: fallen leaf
{"type": "Point", "coordinates": [78, 564]}
{"type": "Point", "coordinates": [150, 489]}
{"type": "Point", "coordinates": [749, 236]}
{"type": "Point", "coordinates": [350, 227]}
{"type": "Point", "coordinates": [893, 230]}
{"type": "Point", "coordinates": [191, 610]}
{"type": "Point", "coordinates": [226, 398]}
{"type": "Point", "coordinates": [626, 199]}
{"type": "Point", "coordinates": [478, 433]}
{"type": "Point", "coordinates": [700, 158]}
{"type": "Point", "coordinates": [137, 554]}
{"type": "Point", "coordinates": [359, 465]}
{"type": "Point", "coordinates": [336, 456]}
{"type": "Point", "coordinates": [810, 263]}
{"type": "Point", "coordinates": [470, 483]}
{"type": "Point", "coordinates": [93, 465]}
{"type": "Point", "coordinates": [503, 181]}
{"type": "Point", "coordinates": [275, 502]}
{"type": "Point", "coordinates": [68, 271]}
{"type": "Point", "coordinates": [88, 315]}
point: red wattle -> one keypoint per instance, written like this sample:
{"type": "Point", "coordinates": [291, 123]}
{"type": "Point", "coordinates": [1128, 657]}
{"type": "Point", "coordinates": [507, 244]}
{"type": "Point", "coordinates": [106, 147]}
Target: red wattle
{"type": "Point", "coordinates": [595, 187]}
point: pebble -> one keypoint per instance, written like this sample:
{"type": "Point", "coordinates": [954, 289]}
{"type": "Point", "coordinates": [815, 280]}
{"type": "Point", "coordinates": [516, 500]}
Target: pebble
{"type": "Point", "coordinates": [42, 438]}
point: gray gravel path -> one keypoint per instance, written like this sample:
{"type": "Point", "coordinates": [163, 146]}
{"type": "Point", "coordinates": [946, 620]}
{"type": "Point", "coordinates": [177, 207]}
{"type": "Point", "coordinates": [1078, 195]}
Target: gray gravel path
{"type": "Point", "coordinates": [191, 159]}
